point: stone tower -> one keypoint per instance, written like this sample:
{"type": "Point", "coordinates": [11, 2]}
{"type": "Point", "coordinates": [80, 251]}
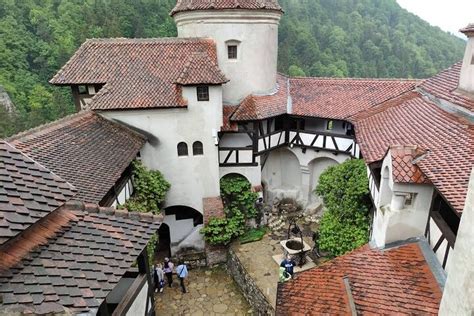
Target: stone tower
{"type": "Point", "coordinates": [246, 35]}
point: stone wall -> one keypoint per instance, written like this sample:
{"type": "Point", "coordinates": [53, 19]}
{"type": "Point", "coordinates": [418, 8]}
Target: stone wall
{"type": "Point", "coordinates": [215, 255]}
{"type": "Point", "coordinates": [247, 285]}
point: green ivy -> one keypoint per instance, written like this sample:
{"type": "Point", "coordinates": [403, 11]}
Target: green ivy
{"type": "Point", "coordinates": [150, 188]}
{"type": "Point", "coordinates": [151, 249]}
{"type": "Point", "coordinates": [345, 192]}
{"type": "Point", "coordinates": [221, 231]}
{"type": "Point", "coordinates": [237, 196]}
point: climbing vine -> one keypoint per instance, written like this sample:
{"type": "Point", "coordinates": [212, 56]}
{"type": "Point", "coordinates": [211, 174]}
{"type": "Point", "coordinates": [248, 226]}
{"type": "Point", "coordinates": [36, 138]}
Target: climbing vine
{"type": "Point", "coordinates": [150, 188]}
{"type": "Point", "coordinates": [345, 193]}
{"type": "Point", "coordinates": [239, 205]}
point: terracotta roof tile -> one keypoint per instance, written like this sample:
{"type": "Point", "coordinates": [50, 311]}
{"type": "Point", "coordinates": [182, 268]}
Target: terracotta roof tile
{"type": "Point", "coordinates": [341, 98]}
{"type": "Point", "coordinates": [141, 73]}
{"type": "Point", "coordinates": [257, 107]}
{"type": "Point", "coordinates": [228, 126]}
{"type": "Point", "coordinates": [65, 262]}
{"type": "Point", "coordinates": [411, 119]}
{"type": "Point", "coordinates": [404, 168]}
{"type": "Point", "coordinates": [85, 149]}
{"type": "Point", "coordinates": [201, 69]}
{"type": "Point", "coordinates": [391, 281]}
{"type": "Point", "coordinates": [19, 175]}
{"type": "Point", "coordinates": [194, 5]}
{"type": "Point", "coordinates": [468, 30]}
{"type": "Point", "coordinates": [444, 86]}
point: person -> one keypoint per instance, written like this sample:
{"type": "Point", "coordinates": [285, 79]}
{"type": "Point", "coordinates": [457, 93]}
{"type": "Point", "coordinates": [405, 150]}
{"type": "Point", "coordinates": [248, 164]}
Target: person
{"type": "Point", "coordinates": [168, 270]}
{"type": "Point", "coordinates": [288, 263]}
{"type": "Point", "coordinates": [182, 273]}
{"type": "Point", "coordinates": [284, 276]}
{"type": "Point", "coordinates": [158, 276]}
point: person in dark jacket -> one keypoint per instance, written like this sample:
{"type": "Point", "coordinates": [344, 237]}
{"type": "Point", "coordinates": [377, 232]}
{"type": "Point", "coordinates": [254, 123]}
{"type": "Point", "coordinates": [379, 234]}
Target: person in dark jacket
{"type": "Point", "coordinates": [288, 263]}
{"type": "Point", "coordinates": [168, 267]}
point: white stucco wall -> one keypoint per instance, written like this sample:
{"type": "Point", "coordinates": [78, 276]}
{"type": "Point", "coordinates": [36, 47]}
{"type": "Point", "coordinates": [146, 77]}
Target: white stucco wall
{"type": "Point", "coordinates": [458, 296]}
{"type": "Point", "coordinates": [253, 174]}
{"type": "Point", "coordinates": [192, 177]}
{"type": "Point", "coordinates": [293, 173]}
{"type": "Point", "coordinates": [255, 69]}
{"type": "Point", "coordinates": [393, 223]}
{"type": "Point", "coordinates": [138, 307]}
{"type": "Point", "coordinates": [466, 79]}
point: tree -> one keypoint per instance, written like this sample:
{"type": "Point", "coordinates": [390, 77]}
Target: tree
{"type": "Point", "coordinates": [345, 193]}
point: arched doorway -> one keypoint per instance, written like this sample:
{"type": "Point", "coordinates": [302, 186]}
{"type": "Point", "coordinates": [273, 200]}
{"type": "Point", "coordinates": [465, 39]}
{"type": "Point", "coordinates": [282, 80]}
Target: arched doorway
{"type": "Point", "coordinates": [184, 224]}
{"type": "Point", "coordinates": [163, 248]}
{"type": "Point", "coordinates": [316, 168]}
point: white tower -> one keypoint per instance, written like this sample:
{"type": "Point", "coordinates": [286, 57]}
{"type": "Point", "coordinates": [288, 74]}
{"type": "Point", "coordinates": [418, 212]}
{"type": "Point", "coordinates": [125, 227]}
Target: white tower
{"type": "Point", "coordinates": [246, 35]}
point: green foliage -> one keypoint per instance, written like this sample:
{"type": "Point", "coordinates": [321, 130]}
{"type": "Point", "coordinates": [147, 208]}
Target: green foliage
{"type": "Point", "coordinates": [345, 192]}
{"type": "Point", "coordinates": [254, 234]}
{"type": "Point", "coordinates": [151, 249]}
{"type": "Point", "coordinates": [221, 231]}
{"type": "Point", "coordinates": [150, 188]}
{"type": "Point", "coordinates": [237, 196]}
{"type": "Point", "coordinates": [357, 38]}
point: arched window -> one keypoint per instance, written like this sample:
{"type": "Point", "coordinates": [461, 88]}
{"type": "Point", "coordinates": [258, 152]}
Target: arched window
{"type": "Point", "coordinates": [182, 149]}
{"type": "Point", "coordinates": [198, 149]}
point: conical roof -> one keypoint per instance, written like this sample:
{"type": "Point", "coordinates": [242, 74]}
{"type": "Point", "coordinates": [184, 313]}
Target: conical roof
{"type": "Point", "coordinates": [196, 5]}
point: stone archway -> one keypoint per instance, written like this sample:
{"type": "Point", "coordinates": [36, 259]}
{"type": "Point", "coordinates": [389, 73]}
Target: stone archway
{"type": "Point", "coordinates": [184, 224]}
{"type": "Point", "coordinates": [316, 167]}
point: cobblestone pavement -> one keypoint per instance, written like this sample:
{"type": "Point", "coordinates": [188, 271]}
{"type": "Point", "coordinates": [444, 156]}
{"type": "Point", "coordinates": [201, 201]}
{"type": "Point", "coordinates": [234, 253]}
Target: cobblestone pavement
{"type": "Point", "coordinates": [210, 292]}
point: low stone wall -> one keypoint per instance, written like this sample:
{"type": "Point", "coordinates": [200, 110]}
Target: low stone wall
{"type": "Point", "coordinates": [249, 288]}
{"type": "Point", "coordinates": [215, 255]}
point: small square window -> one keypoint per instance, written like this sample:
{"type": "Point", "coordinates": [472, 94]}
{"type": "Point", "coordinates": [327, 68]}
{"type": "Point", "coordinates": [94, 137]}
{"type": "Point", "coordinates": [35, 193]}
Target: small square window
{"type": "Point", "coordinates": [330, 125]}
{"type": "Point", "coordinates": [203, 93]}
{"type": "Point", "coordinates": [409, 199]}
{"type": "Point", "coordinates": [232, 51]}
{"type": "Point", "coordinates": [83, 89]}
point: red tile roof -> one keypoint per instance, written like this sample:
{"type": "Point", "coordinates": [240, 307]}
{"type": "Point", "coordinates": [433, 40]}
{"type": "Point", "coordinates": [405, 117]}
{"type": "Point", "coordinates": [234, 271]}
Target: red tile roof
{"type": "Point", "coordinates": [341, 98]}
{"type": "Point", "coordinates": [72, 260]}
{"type": "Point", "coordinates": [194, 5]}
{"type": "Point", "coordinates": [200, 69]}
{"type": "Point", "coordinates": [84, 149]}
{"type": "Point", "coordinates": [228, 126]}
{"type": "Point", "coordinates": [404, 168]}
{"type": "Point", "coordinates": [28, 192]}
{"type": "Point", "coordinates": [141, 73]}
{"type": "Point", "coordinates": [257, 107]}
{"type": "Point", "coordinates": [444, 86]}
{"type": "Point", "coordinates": [411, 119]}
{"type": "Point", "coordinates": [391, 281]}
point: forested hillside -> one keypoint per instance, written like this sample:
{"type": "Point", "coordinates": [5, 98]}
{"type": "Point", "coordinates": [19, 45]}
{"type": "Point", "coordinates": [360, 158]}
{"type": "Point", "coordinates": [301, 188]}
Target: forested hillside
{"type": "Point", "coordinates": [360, 38]}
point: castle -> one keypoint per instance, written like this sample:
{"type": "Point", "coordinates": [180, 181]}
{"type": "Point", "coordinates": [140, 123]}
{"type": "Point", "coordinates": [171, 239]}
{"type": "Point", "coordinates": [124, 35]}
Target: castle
{"type": "Point", "coordinates": [210, 103]}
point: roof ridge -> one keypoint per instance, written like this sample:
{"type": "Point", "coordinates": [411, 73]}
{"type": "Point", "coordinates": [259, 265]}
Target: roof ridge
{"type": "Point", "coordinates": [48, 125]}
{"type": "Point", "coordinates": [120, 40]}
{"type": "Point", "coordinates": [358, 79]}
{"type": "Point", "coordinates": [119, 125]}
{"type": "Point", "coordinates": [60, 179]}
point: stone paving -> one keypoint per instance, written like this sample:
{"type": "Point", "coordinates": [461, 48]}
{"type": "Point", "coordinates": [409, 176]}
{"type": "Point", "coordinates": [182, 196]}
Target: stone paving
{"type": "Point", "coordinates": [210, 292]}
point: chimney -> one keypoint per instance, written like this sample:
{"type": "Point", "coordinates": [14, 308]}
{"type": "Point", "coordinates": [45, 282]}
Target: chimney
{"type": "Point", "coordinates": [466, 79]}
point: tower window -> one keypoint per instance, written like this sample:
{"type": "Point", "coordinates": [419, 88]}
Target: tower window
{"type": "Point", "coordinates": [198, 149]}
{"type": "Point", "coordinates": [202, 93]}
{"type": "Point", "coordinates": [182, 149]}
{"type": "Point", "coordinates": [232, 51]}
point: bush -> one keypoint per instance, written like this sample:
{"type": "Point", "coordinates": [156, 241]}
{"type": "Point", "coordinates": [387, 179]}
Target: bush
{"type": "Point", "coordinates": [221, 231]}
{"type": "Point", "coordinates": [237, 196]}
{"type": "Point", "coordinates": [254, 234]}
{"type": "Point", "coordinates": [345, 193]}
{"type": "Point", "coordinates": [150, 188]}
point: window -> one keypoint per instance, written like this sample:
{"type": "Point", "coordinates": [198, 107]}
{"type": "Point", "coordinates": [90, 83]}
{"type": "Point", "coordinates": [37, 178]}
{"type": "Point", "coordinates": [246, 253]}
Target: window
{"type": "Point", "coordinates": [182, 149]}
{"type": "Point", "coordinates": [232, 51]}
{"type": "Point", "coordinates": [197, 149]}
{"type": "Point", "coordinates": [202, 93]}
{"type": "Point", "coordinates": [83, 89]}
{"type": "Point", "coordinates": [409, 199]}
{"type": "Point", "coordinates": [330, 125]}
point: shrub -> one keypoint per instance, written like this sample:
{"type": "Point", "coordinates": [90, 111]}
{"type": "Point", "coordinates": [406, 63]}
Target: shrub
{"type": "Point", "coordinates": [345, 193]}
{"type": "Point", "coordinates": [221, 231]}
{"type": "Point", "coordinates": [237, 195]}
{"type": "Point", "coordinates": [150, 188]}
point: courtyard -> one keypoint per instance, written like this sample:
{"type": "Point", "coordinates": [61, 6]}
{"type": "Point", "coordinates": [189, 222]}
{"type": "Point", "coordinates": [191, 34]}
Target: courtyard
{"type": "Point", "coordinates": [211, 291]}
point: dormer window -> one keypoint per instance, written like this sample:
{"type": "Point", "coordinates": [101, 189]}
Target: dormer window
{"type": "Point", "coordinates": [232, 51]}
{"type": "Point", "coordinates": [330, 125]}
{"type": "Point", "coordinates": [202, 93]}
